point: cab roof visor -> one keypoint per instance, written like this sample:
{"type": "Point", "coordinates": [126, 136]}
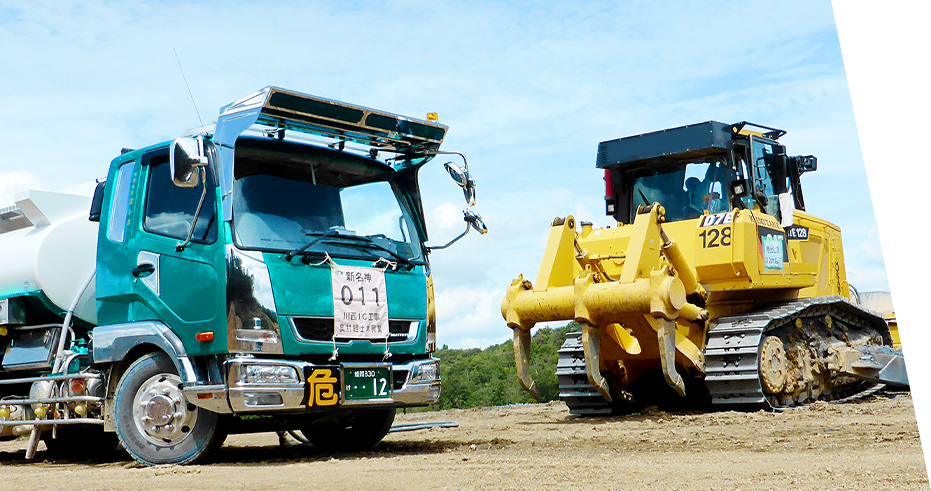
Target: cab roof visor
{"type": "Point", "coordinates": [280, 108]}
{"type": "Point", "coordinates": [692, 141]}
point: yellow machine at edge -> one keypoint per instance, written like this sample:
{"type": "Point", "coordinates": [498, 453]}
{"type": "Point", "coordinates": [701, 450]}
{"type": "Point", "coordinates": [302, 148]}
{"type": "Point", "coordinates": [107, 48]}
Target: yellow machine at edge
{"type": "Point", "coordinates": [715, 280]}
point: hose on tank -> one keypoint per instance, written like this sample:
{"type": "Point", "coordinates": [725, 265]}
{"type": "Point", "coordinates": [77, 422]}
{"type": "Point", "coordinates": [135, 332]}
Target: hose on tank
{"type": "Point", "coordinates": [66, 325]}
{"type": "Point", "coordinates": [62, 339]}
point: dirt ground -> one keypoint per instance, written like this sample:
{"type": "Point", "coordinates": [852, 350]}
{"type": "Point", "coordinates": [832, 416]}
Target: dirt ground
{"type": "Point", "coordinates": [868, 443]}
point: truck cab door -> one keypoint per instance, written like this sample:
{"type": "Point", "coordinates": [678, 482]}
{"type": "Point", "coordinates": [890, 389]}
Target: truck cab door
{"type": "Point", "coordinates": [145, 276]}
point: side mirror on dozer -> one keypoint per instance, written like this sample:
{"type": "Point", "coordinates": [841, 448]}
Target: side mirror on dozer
{"type": "Point", "coordinates": [186, 157]}
{"type": "Point", "coordinates": [804, 163]}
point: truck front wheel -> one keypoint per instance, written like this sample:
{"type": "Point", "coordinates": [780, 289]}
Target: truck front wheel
{"type": "Point", "coordinates": [153, 420]}
{"type": "Point", "coordinates": [362, 430]}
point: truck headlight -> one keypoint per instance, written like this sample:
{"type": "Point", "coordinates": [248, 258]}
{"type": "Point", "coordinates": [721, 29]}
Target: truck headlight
{"type": "Point", "coordinates": [426, 372]}
{"type": "Point", "coordinates": [267, 374]}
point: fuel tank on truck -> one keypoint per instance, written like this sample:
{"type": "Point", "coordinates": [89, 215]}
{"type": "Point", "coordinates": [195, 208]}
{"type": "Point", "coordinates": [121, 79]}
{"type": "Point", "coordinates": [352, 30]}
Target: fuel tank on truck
{"type": "Point", "coordinates": [49, 247]}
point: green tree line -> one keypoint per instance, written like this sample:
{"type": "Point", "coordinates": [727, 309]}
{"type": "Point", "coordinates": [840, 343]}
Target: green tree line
{"type": "Point", "coordinates": [487, 377]}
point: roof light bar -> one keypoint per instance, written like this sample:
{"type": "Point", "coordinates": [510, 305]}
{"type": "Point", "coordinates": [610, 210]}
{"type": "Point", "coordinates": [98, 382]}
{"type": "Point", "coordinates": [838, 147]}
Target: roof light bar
{"type": "Point", "coordinates": [771, 133]}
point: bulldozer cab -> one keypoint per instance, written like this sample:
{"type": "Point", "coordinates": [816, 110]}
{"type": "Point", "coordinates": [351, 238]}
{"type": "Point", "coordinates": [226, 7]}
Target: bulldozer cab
{"type": "Point", "coordinates": [702, 169]}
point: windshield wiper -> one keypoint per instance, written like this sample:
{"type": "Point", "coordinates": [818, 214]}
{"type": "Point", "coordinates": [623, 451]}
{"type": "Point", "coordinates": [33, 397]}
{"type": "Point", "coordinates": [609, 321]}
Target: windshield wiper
{"type": "Point", "coordinates": [366, 241]}
{"type": "Point", "coordinates": [645, 200]}
{"type": "Point", "coordinates": [360, 241]}
{"type": "Point", "coordinates": [333, 231]}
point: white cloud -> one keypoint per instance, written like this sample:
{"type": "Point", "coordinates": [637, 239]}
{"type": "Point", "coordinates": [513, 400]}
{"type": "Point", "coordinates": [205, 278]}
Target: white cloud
{"type": "Point", "coordinates": [470, 317]}
{"type": "Point", "coordinates": [445, 217]}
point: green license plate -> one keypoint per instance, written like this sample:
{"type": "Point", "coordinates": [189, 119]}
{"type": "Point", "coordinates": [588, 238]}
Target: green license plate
{"type": "Point", "coordinates": [367, 383]}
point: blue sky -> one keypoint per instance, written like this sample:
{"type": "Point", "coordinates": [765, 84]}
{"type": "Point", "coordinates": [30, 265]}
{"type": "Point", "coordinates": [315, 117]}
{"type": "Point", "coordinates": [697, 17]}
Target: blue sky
{"type": "Point", "coordinates": [527, 88]}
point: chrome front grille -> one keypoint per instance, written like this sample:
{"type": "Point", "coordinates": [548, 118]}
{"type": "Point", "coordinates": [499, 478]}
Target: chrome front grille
{"type": "Point", "coordinates": [320, 329]}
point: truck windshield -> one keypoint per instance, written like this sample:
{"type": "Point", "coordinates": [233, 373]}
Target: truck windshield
{"type": "Point", "coordinates": [286, 195]}
{"type": "Point", "coordinates": [686, 191]}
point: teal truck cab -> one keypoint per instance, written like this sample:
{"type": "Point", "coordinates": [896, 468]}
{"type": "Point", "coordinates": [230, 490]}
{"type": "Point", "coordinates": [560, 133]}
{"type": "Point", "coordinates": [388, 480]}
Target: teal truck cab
{"type": "Point", "coordinates": [270, 273]}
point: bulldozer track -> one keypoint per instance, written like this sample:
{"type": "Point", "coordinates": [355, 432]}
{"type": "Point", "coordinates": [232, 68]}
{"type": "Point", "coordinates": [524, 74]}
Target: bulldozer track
{"type": "Point", "coordinates": [732, 355]}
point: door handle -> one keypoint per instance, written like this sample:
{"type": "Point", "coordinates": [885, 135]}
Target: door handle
{"type": "Point", "coordinates": [143, 270]}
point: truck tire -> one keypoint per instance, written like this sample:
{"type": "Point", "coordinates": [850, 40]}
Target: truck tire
{"type": "Point", "coordinates": [154, 422]}
{"type": "Point", "coordinates": [360, 431]}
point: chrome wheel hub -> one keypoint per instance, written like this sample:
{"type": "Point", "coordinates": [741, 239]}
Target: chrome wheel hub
{"type": "Point", "coordinates": [160, 412]}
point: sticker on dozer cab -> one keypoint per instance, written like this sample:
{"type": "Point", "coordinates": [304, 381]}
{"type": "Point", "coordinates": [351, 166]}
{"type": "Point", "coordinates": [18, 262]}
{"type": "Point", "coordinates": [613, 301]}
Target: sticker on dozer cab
{"type": "Point", "coordinates": [773, 248]}
{"type": "Point", "coordinates": [796, 232]}
{"type": "Point", "coordinates": [717, 219]}
{"type": "Point", "coordinates": [322, 387]}
{"type": "Point", "coordinates": [360, 303]}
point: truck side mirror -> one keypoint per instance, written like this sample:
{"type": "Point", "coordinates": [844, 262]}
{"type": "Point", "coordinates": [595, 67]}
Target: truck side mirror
{"type": "Point", "coordinates": [186, 156]}
{"type": "Point", "coordinates": [475, 221]}
{"type": "Point", "coordinates": [97, 202]}
{"type": "Point", "coordinates": [460, 176]}
{"type": "Point", "coordinates": [463, 179]}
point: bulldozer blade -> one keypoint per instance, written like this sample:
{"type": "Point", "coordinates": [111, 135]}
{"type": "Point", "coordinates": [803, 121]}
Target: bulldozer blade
{"type": "Point", "coordinates": [522, 361]}
{"type": "Point", "coordinates": [591, 343]}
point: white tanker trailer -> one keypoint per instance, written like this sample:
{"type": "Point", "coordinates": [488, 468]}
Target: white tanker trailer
{"type": "Point", "coordinates": [48, 249]}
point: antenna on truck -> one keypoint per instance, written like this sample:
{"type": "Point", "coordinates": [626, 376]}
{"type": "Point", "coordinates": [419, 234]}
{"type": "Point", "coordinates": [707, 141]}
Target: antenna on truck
{"type": "Point", "coordinates": [188, 87]}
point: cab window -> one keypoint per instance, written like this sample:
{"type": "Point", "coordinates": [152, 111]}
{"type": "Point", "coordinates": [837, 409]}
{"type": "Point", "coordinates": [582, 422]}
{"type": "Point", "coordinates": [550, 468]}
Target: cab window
{"type": "Point", "coordinates": [762, 165]}
{"type": "Point", "coordinates": [686, 191]}
{"type": "Point", "coordinates": [169, 210]}
{"type": "Point", "coordinates": [119, 209]}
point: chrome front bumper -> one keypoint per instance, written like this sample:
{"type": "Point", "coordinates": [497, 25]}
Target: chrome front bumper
{"type": "Point", "coordinates": [416, 383]}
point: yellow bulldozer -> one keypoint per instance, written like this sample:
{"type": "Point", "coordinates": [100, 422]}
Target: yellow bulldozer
{"type": "Point", "coordinates": [715, 283]}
